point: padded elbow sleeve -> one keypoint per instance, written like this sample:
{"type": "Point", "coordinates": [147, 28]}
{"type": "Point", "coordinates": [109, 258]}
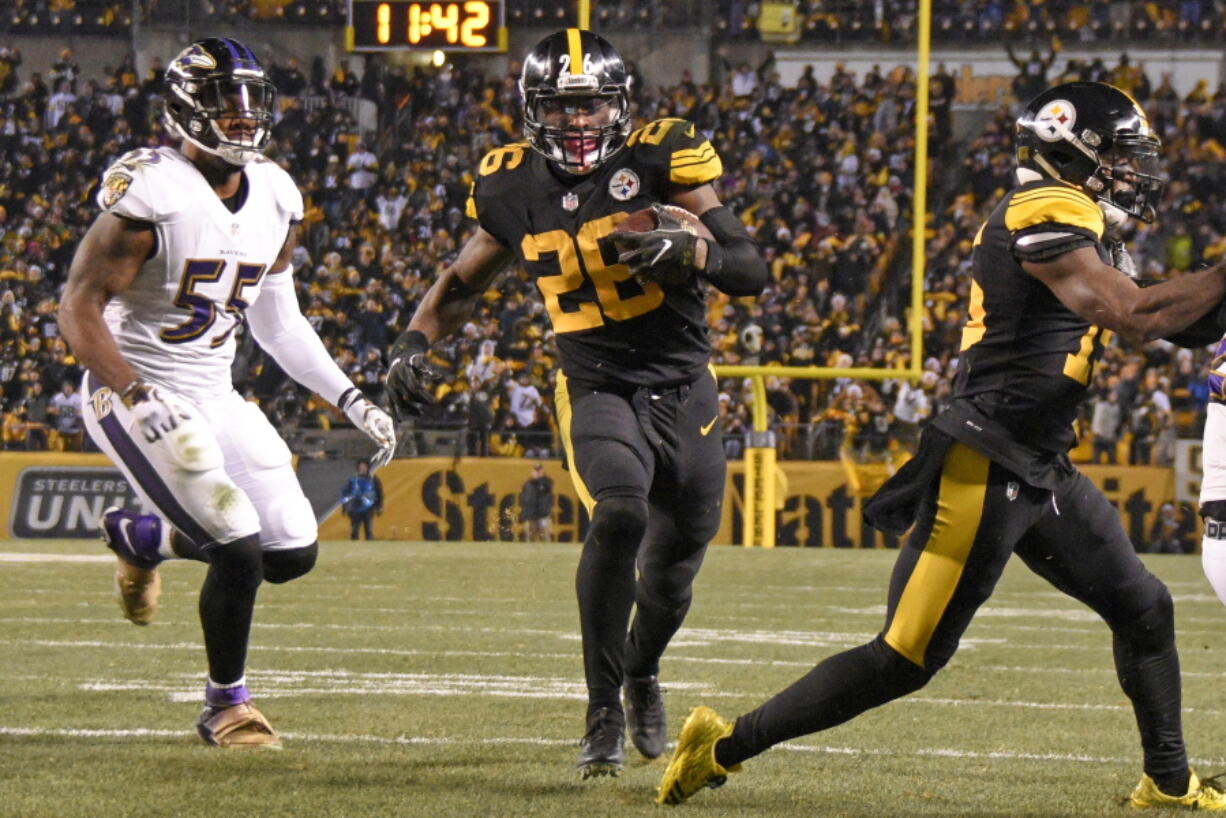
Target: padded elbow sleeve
{"type": "Point", "coordinates": [734, 264]}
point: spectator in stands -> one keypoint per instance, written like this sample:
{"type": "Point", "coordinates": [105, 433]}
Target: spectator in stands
{"type": "Point", "coordinates": [66, 410]}
{"type": "Point", "coordinates": [1105, 426]}
{"type": "Point", "coordinates": [1032, 71]}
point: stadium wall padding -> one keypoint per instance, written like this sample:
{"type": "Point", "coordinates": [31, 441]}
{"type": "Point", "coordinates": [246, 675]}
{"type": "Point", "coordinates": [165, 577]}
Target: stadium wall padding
{"type": "Point", "coordinates": [46, 494]}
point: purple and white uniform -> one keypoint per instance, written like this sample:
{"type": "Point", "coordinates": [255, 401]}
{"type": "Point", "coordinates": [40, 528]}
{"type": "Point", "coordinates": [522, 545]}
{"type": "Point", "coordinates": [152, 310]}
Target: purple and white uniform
{"type": "Point", "coordinates": [225, 473]}
{"type": "Point", "coordinates": [1213, 453]}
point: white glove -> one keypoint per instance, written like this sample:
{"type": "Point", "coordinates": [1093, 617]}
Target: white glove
{"type": "Point", "coordinates": [374, 422]}
{"type": "Point", "coordinates": [165, 419]}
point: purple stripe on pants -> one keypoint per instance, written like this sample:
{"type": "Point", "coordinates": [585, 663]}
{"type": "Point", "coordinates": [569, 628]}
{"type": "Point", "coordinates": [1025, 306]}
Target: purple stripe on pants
{"type": "Point", "coordinates": [147, 477]}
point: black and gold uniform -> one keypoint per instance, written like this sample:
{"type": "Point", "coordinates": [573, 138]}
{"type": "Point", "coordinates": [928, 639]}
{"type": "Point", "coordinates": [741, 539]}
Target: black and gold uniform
{"type": "Point", "coordinates": [992, 478]}
{"type": "Point", "coordinates": [611, 328]}
{"type": "Point", "coordinates": [636, 398]}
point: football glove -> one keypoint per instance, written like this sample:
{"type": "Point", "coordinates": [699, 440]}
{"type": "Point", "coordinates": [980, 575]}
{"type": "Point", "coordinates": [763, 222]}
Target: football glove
{"type": "Point", "coordinates": [374, 422]}
{"type": "Point", "coordinates": [157, 413]}
{"type": "Point", "coordinates": [410, 376]}
{"type": "Point", "coordinates": [664, 255]}
{"type": "Point", "coordinates": [174, 427]}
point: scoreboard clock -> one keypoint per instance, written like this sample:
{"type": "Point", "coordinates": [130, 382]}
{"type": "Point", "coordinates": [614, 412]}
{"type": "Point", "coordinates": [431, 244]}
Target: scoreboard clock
{"type": "Point", "coordinates": [390, 25]}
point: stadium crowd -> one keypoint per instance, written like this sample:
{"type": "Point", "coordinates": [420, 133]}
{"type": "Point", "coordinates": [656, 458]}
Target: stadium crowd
{"type": "Point", "coordinates": [821, 172]}
{"type": "Point", "coordinates": [830, 20]}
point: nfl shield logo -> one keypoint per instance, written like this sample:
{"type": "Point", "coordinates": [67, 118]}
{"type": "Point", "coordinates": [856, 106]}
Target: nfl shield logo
{"type": "Point", "coordinates": [570, 202]}
{"type": "Point", "coordinates": [624, 185]}
{"type": "Point", "coordinates": [1011, 491]}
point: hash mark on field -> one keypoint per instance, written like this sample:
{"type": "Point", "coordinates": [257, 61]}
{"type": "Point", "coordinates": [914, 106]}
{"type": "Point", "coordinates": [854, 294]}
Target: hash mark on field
{"type": "Point", "coordinates": [343, 738]}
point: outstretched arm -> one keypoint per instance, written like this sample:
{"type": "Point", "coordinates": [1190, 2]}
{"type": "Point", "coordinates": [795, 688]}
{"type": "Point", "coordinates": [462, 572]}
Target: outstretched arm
{"type": "Point", "coordinates": [1104, 296]}
{"type": "Point", "coordinates": [446, 305]}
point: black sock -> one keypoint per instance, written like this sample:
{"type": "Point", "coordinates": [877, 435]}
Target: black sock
{"type": "Point", "coordinates": [839, 688]}
{"type": "Point", "coordinates": [227, 602]}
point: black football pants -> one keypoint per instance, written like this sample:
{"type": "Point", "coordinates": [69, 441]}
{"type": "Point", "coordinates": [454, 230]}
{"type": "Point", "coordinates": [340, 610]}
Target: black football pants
{"type": "Point", "coordinates": [649, 466]}
{"type": "Point", "coordinates": [970, 522]}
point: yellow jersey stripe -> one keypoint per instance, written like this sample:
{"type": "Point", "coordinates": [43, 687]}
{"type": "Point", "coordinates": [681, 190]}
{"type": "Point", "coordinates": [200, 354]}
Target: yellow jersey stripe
{"type": "Point", "coordinates": [935, 577]}
{"type": "Point", "coordinates": [1059, 209]}
{"type": "Point", "coordinates": [696, 174]}
{"type": "Point", "coordinates": [561, 402]}
{"type": "Point", "coordinates": [574, 44]}
{"type": "Point", "coordinates": [1046, 192]}
{"type": "Point", "coordinates": [689, 153]}
{"type": "Point", "coordinates": [470, 208]}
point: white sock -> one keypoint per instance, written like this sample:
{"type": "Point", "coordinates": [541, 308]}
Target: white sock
{"type": "Point", "coordinates": [1213, 560]}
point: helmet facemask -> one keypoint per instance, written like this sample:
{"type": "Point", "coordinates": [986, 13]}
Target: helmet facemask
{"type": "Point", "coordinates": [580, 126]}
{"type": "Point", "coordinates": [227, 116]}
{"type": "Point", "coordinates": [1128, 174]}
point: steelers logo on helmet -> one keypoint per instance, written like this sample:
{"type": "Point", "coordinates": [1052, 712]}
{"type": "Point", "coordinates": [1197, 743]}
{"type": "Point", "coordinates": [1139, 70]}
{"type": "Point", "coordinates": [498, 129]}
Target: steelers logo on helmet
{"type": "Point", "coordinates": [624, 185]}
{"type": "Point", "coordinates": [1055, 120]}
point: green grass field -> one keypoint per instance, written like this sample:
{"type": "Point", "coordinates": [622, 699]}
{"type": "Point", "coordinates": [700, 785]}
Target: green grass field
{"type": "Point", "coordinates": [445, 680]}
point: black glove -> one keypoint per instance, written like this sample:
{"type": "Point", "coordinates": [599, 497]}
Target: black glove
{"type": "Point", "coordinates": [410, 375]}
{"type": "Point", "coordinates": [664, 255]}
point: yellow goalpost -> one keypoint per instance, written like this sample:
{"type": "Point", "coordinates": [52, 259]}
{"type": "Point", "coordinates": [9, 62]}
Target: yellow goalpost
{"type": "Point", "coordinates": [759, 492]}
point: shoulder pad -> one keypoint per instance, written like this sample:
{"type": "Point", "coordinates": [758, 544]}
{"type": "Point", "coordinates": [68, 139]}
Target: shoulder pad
{"type": "Point", "coordinates": [130, 187]}
{"type": "Point", "coordinates": [690, 158]}
{"type": "Point", "coordinates": [499, 160]}
{"type": "Point", "coordinates": [1053, 203]}
{"type": "Point", "coordinates": [285, 191]}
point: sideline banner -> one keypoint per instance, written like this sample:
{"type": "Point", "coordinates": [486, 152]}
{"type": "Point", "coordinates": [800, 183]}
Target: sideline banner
{"type": "Point", "coordinates": [58, 494]}
{"type": "Point", "coordinates": [50, 494]}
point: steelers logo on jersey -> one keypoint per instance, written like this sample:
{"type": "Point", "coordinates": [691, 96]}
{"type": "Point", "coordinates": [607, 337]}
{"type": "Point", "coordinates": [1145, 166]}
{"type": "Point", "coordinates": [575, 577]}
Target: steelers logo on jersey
{"type": "Point", "coordinates": [1055, 120]}
{"type": "Point", "coordinates": [113, 188]}
{"type": "Point", "coordinates": [624, 185]}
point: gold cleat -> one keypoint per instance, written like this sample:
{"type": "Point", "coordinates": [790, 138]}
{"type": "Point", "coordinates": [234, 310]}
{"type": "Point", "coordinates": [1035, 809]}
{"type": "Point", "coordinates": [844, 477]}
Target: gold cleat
{"type": "Point", "coordinates": [139, 589]}
{"type": "Point", "coordinates": [693, 765]}
{"type": "Point", "coordinates": [1203, 795]}
{"type": "Point", "coordinates": [237, 727]}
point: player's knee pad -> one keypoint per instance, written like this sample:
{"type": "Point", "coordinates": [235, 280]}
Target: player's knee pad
{"type": "Point", "coordinates": [222, 508]}
{"type": "Point", "coordinates": [620, 520]}
{"type": "Point", "coordinates": [283, 565]}
{"type": "Point", "coordinates": [1152, 627]}
{"type": "Point", "coordinates": [898, 674]}
{"type": "Point", "coordinates": [238, 563]}
{"type": "Point", "coordinates": [289, 522]}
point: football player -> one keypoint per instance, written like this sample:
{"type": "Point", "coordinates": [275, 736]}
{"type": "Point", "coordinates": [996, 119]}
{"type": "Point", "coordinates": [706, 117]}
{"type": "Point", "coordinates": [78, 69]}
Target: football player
{"type": "Point", "coordinates": [636, 399]}
{"type": "Point", "coordinates": [189, 242]}
{"type": "Point", "coordinates": [992, 475]}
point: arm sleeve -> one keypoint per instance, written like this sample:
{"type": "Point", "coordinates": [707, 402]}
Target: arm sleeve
{"type": "Point", "coordinates": [283, 332]}
{"type": "Point", "coordinates": [738, 268]}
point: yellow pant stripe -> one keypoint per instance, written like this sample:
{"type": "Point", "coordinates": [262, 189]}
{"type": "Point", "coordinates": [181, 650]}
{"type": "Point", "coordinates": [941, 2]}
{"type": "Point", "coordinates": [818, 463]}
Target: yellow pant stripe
{"type": "Point", "coordinates": [561, 403]}
{"type": "Point", "coordinates": [964, 483]}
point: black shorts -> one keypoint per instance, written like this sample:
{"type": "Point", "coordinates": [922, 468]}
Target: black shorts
{"type": "Point", "coordinates": [662, 445]}
{"type": "Point", "coordinates": [973, 519]}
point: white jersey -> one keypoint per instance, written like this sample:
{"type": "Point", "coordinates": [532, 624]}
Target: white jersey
{"type": "Point", "coordinates": [175, 324]}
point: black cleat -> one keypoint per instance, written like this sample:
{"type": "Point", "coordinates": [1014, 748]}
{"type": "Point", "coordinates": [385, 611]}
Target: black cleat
{"type": "Point", "coordinates": [602, 750]}
{"type": "Point", "coordinates": [645, 715]}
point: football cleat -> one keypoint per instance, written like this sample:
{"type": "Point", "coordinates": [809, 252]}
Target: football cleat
{"type": "Point", "coordinates": [237, 727]}
{"type": "Point", "coordinates": [1203, 795]}
{"type": "Point", "coordinates": [693, 766]}
{"type": "Point", "coordinates": [134, 538]}
{"type": "Point", "coordinates": [645, 719]}
{"type": "Point", "coordinates": [602, 749]}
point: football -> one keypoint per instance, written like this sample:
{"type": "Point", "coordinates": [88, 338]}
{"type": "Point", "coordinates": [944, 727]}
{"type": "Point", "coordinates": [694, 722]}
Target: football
{"type": "Point", "coordinates": [641, 221]}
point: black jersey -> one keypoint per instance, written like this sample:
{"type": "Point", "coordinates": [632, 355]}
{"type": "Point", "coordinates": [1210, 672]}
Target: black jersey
{"type": "Point", "coordinates": [610, 328]}
{"type": "Point", "coordinates": [1026, 359]}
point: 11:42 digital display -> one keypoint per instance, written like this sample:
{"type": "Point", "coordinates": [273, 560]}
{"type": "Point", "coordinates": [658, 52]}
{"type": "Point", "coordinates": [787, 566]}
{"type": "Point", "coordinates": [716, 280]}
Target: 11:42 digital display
{"type": "Point", "coordinates": [465, 25]}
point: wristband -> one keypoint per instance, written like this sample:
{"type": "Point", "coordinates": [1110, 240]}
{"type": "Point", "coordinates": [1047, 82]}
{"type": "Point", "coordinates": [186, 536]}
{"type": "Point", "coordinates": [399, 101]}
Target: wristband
{"type": "Point", "coordinates": [134, 392]}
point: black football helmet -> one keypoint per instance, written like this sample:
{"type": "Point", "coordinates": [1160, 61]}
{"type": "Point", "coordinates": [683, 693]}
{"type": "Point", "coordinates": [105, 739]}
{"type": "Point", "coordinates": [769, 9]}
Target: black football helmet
{"type": "Point", "coordinates": [576, 100]}
{"type": "Point", "coordinates": [214, 79]}
{"type": "Point", "coordinates": [1093, 135]}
